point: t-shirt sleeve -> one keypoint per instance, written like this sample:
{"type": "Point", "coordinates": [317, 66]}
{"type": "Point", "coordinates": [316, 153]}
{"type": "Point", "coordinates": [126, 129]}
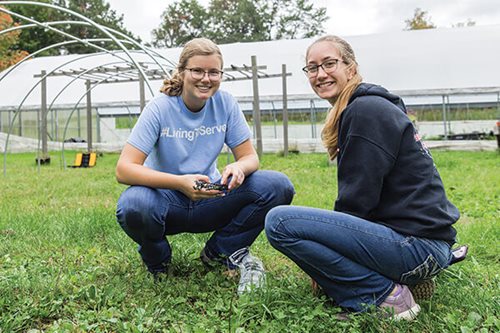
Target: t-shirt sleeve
{"type": "Point", "coordinates": [237, 127]}
{"type": "Point", "coordinates": [146, 131]}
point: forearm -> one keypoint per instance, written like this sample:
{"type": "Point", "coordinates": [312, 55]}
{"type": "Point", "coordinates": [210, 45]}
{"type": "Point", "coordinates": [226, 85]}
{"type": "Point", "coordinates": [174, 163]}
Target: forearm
{"type": "Point", "coordinates": [136, 174]}
{"type": "Point", "coordinates": [248, 164]}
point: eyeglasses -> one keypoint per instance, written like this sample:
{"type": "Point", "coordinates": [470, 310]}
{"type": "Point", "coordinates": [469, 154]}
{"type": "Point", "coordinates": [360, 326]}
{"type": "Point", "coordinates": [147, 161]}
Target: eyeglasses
{"type": "Point", "coordinates": [199, 73]}
{"type": "Point", "coordinates": [328, 66]}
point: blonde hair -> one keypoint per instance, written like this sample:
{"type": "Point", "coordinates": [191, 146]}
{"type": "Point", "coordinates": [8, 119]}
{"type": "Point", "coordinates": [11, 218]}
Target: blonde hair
{"type": "Point", "coordinates": [330, 132]}
{"type": "Point", "coordinates": [195, 47]}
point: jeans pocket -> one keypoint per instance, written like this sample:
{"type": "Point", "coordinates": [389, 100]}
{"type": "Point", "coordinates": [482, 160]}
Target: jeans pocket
{"type": "Point", "coordinates": [426, 270]}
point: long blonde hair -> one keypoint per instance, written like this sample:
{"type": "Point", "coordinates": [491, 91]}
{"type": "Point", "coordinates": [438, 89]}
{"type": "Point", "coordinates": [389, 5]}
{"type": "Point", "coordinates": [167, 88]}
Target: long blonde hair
{"type": "Point", "coordinates": [330, 132]}
{"type": "Point", "coordinates": [195, 47]}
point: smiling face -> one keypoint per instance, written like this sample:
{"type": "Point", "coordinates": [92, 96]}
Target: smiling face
{"type": "Point", "coordinates": [327, 85]}
{"type": "Point", "coordinates": [196, 92]}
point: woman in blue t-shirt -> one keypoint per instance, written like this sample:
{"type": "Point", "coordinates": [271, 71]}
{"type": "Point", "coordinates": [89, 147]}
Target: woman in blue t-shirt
{"type": "Point", "coordinates": [170, 161]}
{"type": "Point", "coordinates": [392, 223]}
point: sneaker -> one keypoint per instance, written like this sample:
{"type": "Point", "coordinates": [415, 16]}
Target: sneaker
{"type": "Point", "coordinates": [159, 277]}
{"type": "Point", "coordinates": [423, 290]}
{"type": "Point", "coordinates": [401, 304]}
{"type": "Point", "coordinates": [161, 272]}
{"type": "Point", "coordinates": [252, 274]}
{"type": "Point", "coordinates": [211, 260]}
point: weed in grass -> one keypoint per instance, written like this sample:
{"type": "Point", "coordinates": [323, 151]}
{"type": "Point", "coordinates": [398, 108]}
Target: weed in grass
{"type": "Point", "coordinates": [66, 266]}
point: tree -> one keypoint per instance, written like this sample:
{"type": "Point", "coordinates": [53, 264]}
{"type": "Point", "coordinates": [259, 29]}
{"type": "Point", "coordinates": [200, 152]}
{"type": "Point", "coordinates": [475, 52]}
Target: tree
{"type": "Point", "coordinates": [98, 11]}
{"type": "Point", "coordinates": [182, 21]}
{"type": "Point", "coordinates": [8, 55]}
{"type": "Point", "coordinates": [292, 19]}
{"type": "Point", "coordinates": [236, 21]}
{"type": "Point", "coordinates": [228, 21]}
{"type": "Point", "coordinates": [419, 21]}
{"type": "Point", "coordinates": [33, 39]}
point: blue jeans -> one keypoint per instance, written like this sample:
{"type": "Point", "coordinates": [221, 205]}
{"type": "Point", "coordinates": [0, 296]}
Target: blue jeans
{"type": "Point", "coordinates": [148, 215]}
{"type": "Point", "coordinates": [355, 261]}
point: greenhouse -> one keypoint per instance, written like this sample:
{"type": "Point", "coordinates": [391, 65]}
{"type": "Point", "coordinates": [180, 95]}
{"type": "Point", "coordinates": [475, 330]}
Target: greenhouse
{"type": "Point", "coordinates": [444, 75]}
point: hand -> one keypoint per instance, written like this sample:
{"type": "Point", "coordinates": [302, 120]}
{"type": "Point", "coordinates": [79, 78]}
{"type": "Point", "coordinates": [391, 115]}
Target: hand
{"type": "Point", "coordinates": [188, 188]}
{"type": "Point", "coordinates": [236, 174]}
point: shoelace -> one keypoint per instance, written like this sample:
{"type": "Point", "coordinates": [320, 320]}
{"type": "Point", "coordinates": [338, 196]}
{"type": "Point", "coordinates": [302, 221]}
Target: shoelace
{"type": "Point", "coordinates": [237, 257]}
{"type": "Point", "coordinates": [252, 265]}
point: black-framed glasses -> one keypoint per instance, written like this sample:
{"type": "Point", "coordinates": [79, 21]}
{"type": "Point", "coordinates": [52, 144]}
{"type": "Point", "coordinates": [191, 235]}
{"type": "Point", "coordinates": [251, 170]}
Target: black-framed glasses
{"type": "Point", "coordinates": [198, 73]}
{"type": "Point", "coordinates": [328, 66]}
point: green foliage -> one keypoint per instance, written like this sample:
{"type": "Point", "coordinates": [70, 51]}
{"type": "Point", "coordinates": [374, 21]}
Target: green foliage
{"type": "Point", "coordinates": [299, 19]}
{"type": "Point", "coordinates": [419, 21]}
{"type": "Point", "coordinates": [101, 13]}
{"type": "Point", "coordinates": [181, 22]}
{"type": "Point", "coordinates": [8, 54]}
{"type": "Point", "coordinates": [236, 21]}
{"type": "Point", "coordinates": [33, 39]}
{"type": "Point", "coordinates": [231, 21]}
{"type": "Point", "coordinates": [66, 266]}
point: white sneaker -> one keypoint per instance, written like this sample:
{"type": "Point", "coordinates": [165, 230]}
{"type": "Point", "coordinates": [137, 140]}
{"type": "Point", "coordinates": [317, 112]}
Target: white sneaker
{"type": "Point", "coordinates": [252, 274]}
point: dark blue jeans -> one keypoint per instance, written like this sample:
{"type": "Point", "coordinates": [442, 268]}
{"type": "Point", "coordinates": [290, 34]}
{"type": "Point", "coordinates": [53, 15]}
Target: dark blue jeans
{"type": "Point", "coordinates": [148, 215]}
{"type": "Point", "coordinates": [355, 261]}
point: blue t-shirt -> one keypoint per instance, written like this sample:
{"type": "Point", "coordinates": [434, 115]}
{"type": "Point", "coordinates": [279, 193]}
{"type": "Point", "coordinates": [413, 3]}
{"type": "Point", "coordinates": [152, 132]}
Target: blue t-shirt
{"type": "Point", "coordinates": [180, 142]}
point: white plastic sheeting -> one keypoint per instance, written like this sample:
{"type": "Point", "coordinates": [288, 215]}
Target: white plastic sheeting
{"type": "Point", "coordinates": [421, 60]}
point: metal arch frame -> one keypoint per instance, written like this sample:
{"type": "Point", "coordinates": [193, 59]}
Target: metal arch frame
{"type": "Point", "coordinates": [72, 73]}
{"type": "Point", "coordinates": [127, 40]}
{"type": "Point", "coordinates": [75, 107]}
{"type": "Point", "coordinates": [154, 55]}
{"type": "Point", "coordinates": [36, 84]}
{"type": "Point", "coordinates": [78, 77]}
{"type": "Point", "coordinates": [12, 68]}
{"type": "Point", "coordinates": [128, 115]}
{"type": "Point", "coordinates": [48, 25]}
{"type": "Point", "coordinates": [22, 102]}
{"type": "Point", "coordinates": [81, 17]}
{"type": "Point", "coordinates": [97, 83]}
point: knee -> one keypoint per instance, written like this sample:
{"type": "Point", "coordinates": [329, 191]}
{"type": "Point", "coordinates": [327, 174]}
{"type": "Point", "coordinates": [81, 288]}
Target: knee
{"type": "Point", "coordinates": [276, 186]}
{"type": "Point", "coordinates": [272, 226]}
{"type": "Point", "coordinates": [135, 206]}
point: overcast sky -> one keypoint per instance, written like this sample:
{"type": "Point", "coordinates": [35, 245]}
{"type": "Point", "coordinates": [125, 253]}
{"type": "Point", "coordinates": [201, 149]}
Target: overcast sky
{"type": "Point", "coordinates": [347, 17]}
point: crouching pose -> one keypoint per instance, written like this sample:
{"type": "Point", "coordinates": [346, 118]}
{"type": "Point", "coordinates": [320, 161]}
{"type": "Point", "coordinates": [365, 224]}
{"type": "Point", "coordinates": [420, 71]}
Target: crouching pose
{"type": "Point", "coordinates": [392, 223]}
{"type": "Point", "coordinates": [172, 153]}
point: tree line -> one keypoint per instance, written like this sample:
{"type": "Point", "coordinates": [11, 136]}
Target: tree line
{"type": "Point", "coordinates": [33, 39]}
{"type": "Point", "coordinates": [229, 21]}
{"type": "Point", "coordinates": [223, 21]}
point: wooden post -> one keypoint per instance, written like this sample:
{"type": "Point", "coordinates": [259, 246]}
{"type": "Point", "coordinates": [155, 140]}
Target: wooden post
{"type": "Point", "coordinates": [89, 117]}
{"type": "Point", "coordinates": [285, 111]}
{"type": "Point", "coordinates": [444, 118]}
{"type": "Point", "coordinates": [142, 96]}
{"type": "Point", "coordinates": [43, 120]}
{"type": "Point", "coordinates": [20, 119]}
{"type": "Point", "coordinates": [256, 106]}
{"type": "Point", "coordinates": [79, 122]}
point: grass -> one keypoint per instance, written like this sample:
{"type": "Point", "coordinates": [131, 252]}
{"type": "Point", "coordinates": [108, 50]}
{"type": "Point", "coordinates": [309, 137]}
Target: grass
{"type": "Point", "coordinates": [66, 266]}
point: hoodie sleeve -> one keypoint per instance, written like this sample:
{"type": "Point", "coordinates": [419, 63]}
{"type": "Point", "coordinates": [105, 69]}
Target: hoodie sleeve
{"type": "Point", "coordinates": [361, 171]}
{"type": "Point", "coordinates": [369, 137]}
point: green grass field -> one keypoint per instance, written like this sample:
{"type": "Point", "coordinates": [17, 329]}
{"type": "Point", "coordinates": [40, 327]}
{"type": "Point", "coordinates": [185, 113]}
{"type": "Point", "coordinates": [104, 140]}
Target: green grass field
{"type": "Point", "coordinates": [66, 266]}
